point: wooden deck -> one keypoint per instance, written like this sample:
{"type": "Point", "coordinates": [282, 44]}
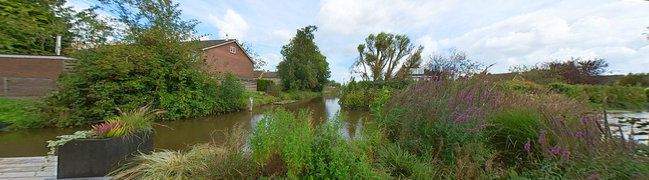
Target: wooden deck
{"type": "Point", "coordinates": [28, 168]}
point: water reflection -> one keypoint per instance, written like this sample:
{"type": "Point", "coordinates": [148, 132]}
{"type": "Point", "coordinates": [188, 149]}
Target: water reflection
{"type": "Point", "coordinates": [183, 133]}
{"type": "Point", "coordinates": [634, 125]}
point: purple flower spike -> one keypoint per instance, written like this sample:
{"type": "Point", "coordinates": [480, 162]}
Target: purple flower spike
{"type": "Point", "coordinates": [555, 149]}
{"type": "Point", "coordinates": [543, 132]}
{"type": "Point", "coordinates": [579, 134]}
{"type": "Point", "coordinates": [565, 154]}
{"type": "Point", "coordinates": [527, 147]}
{"type": "Point", "coordinates": [460, 119]}
{"type": "Point", "coordinates": [593, 177]}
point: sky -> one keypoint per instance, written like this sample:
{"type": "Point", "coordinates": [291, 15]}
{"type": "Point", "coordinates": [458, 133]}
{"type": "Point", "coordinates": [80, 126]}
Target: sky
{"type": "Point", "coordinates": [504, 33]}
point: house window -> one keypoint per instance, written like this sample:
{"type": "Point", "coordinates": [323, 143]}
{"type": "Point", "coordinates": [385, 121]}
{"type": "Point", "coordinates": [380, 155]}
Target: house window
{"type": "Point", "coordinates": [233, 50]}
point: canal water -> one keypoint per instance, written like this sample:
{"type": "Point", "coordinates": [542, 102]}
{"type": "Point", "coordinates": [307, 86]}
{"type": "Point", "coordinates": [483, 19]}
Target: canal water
{"type": "Point", "coordinates": [634, 125]}
{"type": "Point", "coordinates": [181, 134]}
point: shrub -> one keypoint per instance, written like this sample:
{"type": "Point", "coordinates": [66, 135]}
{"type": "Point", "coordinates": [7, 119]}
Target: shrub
{"type": "Point", "coordinates": [442, 119]}
{"type": "Point", "coordinates": [361, 95]}
{"type": "Point", "coordinates": [521, 86]}
{"type": "Point", "coordinates": [153, 63]}
{"type": "Point", "coordinates": [618, 97]}
{"type": "Point", "coordinates": [264, 85]}
{"type": "Point", "coordinates": [572, 91]}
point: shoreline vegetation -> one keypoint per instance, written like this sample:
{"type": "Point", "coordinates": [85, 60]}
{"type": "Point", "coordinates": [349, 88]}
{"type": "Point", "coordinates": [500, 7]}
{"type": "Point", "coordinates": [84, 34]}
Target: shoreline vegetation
{"type": "Point", "coordinates": [20, 113]}
{"type": "Point", "coordinates": [447, 128]}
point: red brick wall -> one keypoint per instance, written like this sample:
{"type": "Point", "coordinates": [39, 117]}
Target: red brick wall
{"type": "Point", "coordinates": [30, 68]}
{"type": "Point", "coordinates": [16, 68]}
{"type": "Point", "coordinates": [219, 59]}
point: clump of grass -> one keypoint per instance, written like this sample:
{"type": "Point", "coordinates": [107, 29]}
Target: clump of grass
{"type": "Point", "coordinates": [203, 161]}
{"type": "Point", "coordinates": [22, 113]}
{"type": "Point", "coordinates": [139, 119]}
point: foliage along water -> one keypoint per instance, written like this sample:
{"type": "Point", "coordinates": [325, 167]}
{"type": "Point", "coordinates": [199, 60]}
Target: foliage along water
{"type": "Point", "coordinates": [181, 134]}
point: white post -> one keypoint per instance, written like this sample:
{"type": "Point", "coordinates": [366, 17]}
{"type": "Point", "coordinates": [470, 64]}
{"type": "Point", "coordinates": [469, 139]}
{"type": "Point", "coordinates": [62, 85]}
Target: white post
{"type": "Point", "coordinates": [250, 104]}
{"type": "Point", "coordinates": [57, 50]}
{"type": "Point", "coordinates": [5, 86]}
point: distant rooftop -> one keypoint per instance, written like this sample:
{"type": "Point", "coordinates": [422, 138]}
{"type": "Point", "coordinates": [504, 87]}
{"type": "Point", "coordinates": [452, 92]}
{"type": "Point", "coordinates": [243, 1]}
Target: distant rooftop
{"type": "Point", "coordinates": [209, 43]}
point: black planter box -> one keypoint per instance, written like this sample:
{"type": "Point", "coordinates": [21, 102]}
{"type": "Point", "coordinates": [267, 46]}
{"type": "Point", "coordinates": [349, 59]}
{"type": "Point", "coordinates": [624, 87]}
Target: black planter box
{"type": "Point", "coordinates": [98, 157]}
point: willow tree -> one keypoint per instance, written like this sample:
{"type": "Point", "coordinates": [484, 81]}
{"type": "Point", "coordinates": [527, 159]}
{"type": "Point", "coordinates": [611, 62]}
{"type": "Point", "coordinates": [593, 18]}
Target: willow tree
{"type": "Point", "coordinates": [382, 54]}
{"type": "Point", "coordinates": [303, 66]}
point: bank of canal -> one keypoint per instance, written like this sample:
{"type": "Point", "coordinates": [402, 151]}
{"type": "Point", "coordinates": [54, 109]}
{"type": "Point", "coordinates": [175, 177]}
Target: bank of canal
{"type": "Point", "coordinates": [180, 134]}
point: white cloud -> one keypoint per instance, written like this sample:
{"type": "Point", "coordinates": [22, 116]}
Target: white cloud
{"type": "Point", "coordinates": [281, 36]}
{"type": "Point", "coordinates": [272, 60]}
{"type": "Point", "coordinates": [231, 24]}
{"type": "Point", "coordinates": [370, 16]}
{"type": "Point", "coordinates": [612, 31]}
{"type": "Point", "coordinates": [339, 73]}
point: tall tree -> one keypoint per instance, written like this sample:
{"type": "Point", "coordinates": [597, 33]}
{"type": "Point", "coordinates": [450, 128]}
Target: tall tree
{"type": "Point", "coordinates": [303, 66]}
{"type": "Point", "coordinates": [153, 63]}
{"type": "Point", "coordinates": [454, 65]}
{"type": "Point", "coordinates": [579, 71]}
{"type": "Point", "coordinates": [382, 53]}
{"type": "Point", "coordinates": [31, 27]}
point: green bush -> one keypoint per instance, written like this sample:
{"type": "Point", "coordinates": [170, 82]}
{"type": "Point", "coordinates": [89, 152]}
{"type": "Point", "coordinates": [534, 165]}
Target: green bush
{"type": "Point", "coordinates": [21, 113]}
{"type": "Point", "coordinates": [572, 91]}
{"type": "Point", "coordinates": [521, 86]}
{"type": "Point", "coordinates": [264, 85]}
{"type": "Point", "coordinates": [618, 97]}
{"type": "Point", "coordinates": [362, 94]}
{"type": "Point", "coordinates": [131, 76]}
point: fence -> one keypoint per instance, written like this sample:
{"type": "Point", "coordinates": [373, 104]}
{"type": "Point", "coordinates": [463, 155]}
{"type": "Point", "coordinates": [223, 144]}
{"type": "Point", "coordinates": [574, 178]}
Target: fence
{"type": "Point", "coordinates": [21, 87]}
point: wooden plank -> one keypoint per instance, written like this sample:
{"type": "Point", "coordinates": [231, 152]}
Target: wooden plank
{"type": "Point", "coordinates": [6, 175]}
{"type": "Point", "coordinates": [28, 169]}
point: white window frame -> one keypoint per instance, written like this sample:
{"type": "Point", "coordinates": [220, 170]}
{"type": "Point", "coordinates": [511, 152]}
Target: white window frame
{"type": "Point", "coordinates": [233, 50]}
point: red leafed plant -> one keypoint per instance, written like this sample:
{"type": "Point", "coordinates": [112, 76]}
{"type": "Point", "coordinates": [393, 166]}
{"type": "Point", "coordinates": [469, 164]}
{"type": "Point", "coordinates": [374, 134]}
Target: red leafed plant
{"type": "Point", "coordinates": [109, 129]}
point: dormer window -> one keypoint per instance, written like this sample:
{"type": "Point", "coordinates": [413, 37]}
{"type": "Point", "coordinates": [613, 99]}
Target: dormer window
{"type": "Point", "coordinates": [233, 50]}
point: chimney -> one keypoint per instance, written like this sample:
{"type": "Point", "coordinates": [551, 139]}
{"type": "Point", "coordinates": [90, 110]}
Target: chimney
{"type": "Point", "coordinates": [226, 37]}
{"type": "Point", "coordinates": [57, 49]}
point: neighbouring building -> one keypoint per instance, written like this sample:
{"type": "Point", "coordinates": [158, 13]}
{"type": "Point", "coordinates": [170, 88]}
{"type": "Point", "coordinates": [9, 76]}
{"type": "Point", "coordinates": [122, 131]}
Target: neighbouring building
{"type": "Point", "coordinates": [227, 56]}
{"type": "Point", "coordinates": [31, 75]}
{"type": "Point", "coordinates": [418, 73]}
{"type": "Point", "coordinates": [268, 75]}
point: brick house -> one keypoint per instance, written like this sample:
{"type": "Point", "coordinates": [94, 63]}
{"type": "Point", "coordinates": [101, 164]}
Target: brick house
{"type": "Point", "coordinates": [223, 56]}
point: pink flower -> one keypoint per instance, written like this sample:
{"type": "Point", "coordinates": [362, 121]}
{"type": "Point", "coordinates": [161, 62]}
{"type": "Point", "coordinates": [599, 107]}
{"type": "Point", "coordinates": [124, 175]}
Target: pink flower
{"type": "Point", "coordinates": [555, 149]}
{"type": "Point", "coordinates": [592, 177]}
{"type": "Point", "coordinates": [541, 139]}
{"type": "Point", "coordinates": [579, 134]}
{"type": "Point", "coordinates": [527, 147]}
{"type": "Point", "coordinates": [565, 154]}
{"type": "Point", "coordinates": [460, 119]}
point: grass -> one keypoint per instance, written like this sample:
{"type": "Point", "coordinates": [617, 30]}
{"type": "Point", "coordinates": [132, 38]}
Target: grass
{"type": "Point", "coordinates": [22, 113]}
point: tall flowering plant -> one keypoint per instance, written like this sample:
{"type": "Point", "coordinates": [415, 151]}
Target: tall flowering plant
{"type": "Point", "coordinates": [438, 115]}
